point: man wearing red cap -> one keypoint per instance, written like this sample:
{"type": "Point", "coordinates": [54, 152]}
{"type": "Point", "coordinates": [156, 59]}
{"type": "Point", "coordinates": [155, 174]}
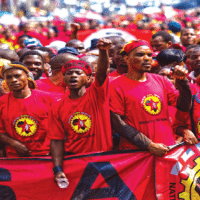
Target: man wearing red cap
{"type": "Point", "coordinates": [139, 101]}
{"type": "Point", "coordinates": [80, 122]}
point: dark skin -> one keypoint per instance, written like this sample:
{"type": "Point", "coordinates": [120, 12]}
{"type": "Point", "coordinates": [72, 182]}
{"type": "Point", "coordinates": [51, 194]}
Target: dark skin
{"type": "Point", "coordinates": [34, 64]}
{"type": "Point", "coordinates": [119, 60]}
{"type": "Point", "coordinates": [158, 43]}
{"type": "Point", "coordinates": [188, 136]}
{"type": "Point", "coordinates": [56, 64]}
{"type": "Point", "coordinates": [195, 61]}
{"type": "Point", "coordinates": [17, 81]}
{"type": "Point", "coordinates": [139, 62]}
{"type": "Point", "coordinates": [77, 90]}
{"type": "Point", "coordinates": [188, 37]}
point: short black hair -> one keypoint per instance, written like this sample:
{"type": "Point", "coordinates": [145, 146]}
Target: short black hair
{"type": "Point", "coordinates": [71, 42]}
{"type": "Point", "coordinates": [191, 47]}
{"type": "Point", "coordinates": [168, 56]}
{"type": "Point", "coordinates": [46, 49]}
{"type": "Point", "coordinates": [31, 53]}
{"type": "Point", "coordinates": [21, 36]}
{"type": "Point", "coordinates": [20, 63]}
{"type": "Point", "coordinates": [165, 35]}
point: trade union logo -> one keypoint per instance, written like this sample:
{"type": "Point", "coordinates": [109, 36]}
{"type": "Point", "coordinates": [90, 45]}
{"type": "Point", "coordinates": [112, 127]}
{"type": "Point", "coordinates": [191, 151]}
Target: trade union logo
{"type": "Point", "coordinates": [80, 122]}
{"type": "Point", "coordinates": [198, 125]}
{"type": "Point", "coordinates": [187, 170]}
{"type": "Point", "coordinates": [25, 125]}
{"type": "Point", "coordinates": [192, 183]}
{"type": "Point", "coordinates": [152, 104]}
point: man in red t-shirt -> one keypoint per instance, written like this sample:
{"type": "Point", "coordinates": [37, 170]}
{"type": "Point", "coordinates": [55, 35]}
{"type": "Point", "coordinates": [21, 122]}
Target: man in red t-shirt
{"type": "Point", "coordinates": [139, 101]}
{"type": "Point", "coordinates": [24, 114]}
{"type": "Point", "coordinates": [55, 83]}
{"type": "Point", "coordinates": [80, 122]}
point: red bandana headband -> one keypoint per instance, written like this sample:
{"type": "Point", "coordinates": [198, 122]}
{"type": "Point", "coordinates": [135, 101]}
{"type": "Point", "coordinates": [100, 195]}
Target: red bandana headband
{"type": "Point", "coordinates": [77, 64]}
{"type": "Point", "coordinates": [132, 45]}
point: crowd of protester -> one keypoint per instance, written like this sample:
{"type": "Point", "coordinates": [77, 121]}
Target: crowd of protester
{"type": "Point", "coordinates": [58, 98]}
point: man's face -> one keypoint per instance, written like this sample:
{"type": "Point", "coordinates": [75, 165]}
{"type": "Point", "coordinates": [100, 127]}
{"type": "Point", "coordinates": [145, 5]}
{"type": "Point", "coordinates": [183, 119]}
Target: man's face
{"type": "Point", "coordinates": [79, 46]}
{"type": "Point", "coordinates": [21, 42]}
{"type": "Point", "coordinates": [195, 60]}
{"type": "Point", "coordinates": [158, 44]}
{"type": "Point", "coordinates": [34, 64]}
{"type": "Point", "coordinates": [139, 59]}
{"type": "Point", "coordinates": [188, 54]}
{"type": "Point", "coordinates": [119, 60]}
{"type": "Point", "coordinates": [16, 79]}
{"type": "Point", "coordinates": [188, 37]}
{"type": "Point", "coordinates": [75, 78]}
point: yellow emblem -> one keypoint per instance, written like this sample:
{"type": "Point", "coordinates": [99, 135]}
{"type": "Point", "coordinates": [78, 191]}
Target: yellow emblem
{"type": "Point", "coordinates": [80, 122]}
{"type": "Point", "coordinates": [192, 183]}
{"type": "Point", "coordinates": [198, 126]}
{"type": "Point", "coordinates": [152, 104]}
{"type": "Point", "coordinates": [25, 125]}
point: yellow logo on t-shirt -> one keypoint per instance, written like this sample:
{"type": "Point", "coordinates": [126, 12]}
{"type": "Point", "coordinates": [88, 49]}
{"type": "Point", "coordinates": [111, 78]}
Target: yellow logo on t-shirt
{"type": "Point", "coordinates": [152, 104]}
{"type": "Point", "coordinates": [80, 122]}
{"type": "Point", "coordinates": [198, 125]}
{"type": "Point", "coordinates": [25, 125]}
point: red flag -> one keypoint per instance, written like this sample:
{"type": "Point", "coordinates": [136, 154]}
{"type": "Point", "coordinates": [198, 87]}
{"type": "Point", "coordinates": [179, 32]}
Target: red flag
{"type": "Point", "coordinates": [178, 174]}
{"type": "Point", "coordinates": [127, 175]}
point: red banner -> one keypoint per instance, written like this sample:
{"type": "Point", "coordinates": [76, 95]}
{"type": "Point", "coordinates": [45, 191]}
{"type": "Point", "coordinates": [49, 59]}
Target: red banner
{"type": "Point", "coordinates": [122, 175]}
{"type": "Point", "coordinates": [178, 174]}
{"type": "Point", "coordinates": [110, 176]}
{"type": "Point", "coordinates": [139, 34]}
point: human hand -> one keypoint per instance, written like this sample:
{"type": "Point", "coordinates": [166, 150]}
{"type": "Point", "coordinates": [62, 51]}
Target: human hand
{"type": "Point", "coordinates": [75, 27]}
{"type": "Point", "coordinates": [180, 72]}
{"type": "Point", "coordinates": [189, 137]}
{"type": "Point", "coordinates": [179, 139]}
{"type": "Point", "coordinates": [104, 44]}
{"type": "Point", "coordinates": [61, 180]}
{"type": "Point", "coordinates": [21, 149]}
{"type": "Point", "coordinates": [158, 149]}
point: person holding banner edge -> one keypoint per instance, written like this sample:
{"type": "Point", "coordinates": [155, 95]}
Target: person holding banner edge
{"type": "Point", "coordinates": [139, 101]}
{"type": "Point", "coordinates": [80, 122]}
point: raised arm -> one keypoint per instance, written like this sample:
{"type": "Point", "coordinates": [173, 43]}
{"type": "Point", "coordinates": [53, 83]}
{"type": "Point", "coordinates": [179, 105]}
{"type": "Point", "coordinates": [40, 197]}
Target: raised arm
{"type": "Point", "coordinates": [184, 100]}
{"type": "Point", "coordinates": [74, 27]}
{"type": "Point", "coordinates": [103, 61]}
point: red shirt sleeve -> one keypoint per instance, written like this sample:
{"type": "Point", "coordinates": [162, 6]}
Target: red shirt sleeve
{"type": "Point", "coordinates": [172, 92]}
{"type": "Point", "coordinates": [55, 130]}
{"type": "Point", "coordinates": [182, 119]}
{"type": "Point", "coordinates": [101, 92]}
{"type": "Point", "coordinates": [117, 104]}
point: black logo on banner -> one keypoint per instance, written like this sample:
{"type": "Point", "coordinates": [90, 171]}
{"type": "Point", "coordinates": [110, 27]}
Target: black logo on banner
{"type": "Point", "coordinates": [117, 188]}
{"type": "Point", "coordinates": [6, 193]}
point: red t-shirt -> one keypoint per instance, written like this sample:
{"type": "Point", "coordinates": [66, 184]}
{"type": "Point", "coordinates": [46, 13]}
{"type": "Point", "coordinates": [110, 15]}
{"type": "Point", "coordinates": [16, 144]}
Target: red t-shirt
{"type": "Point", "coordinates": [84, 123]}
{"type": "Point", "coordinates": [115, 74]}
{"type": "Point", "coordinates": [145, 106]}
{"type": "Point", "coordinates": [182, 119]}
{"type": "Point", "coordinates": [194, 88]}
{"type": "Point", "coordinates": [26, 120]}
{"type": "Point", "coordinates": [47, 86]}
